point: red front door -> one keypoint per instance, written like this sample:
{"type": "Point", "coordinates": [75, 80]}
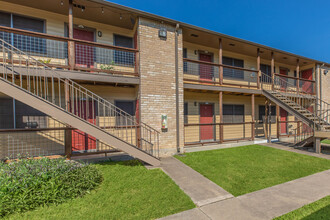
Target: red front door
{"type": "Point", "coordinates": [283, 80]}
{"type": "Point", "coordinates": [206, 117]}
{"type": "Point", "coordinates": [80, 140]}
{"type": "Point", "coordinates": [84, 54]}
{"type": "Point", "coordinates": [205, 71]}
{"type": "Point", "coordinates": [307, 86]}
{"type": "Point", "coordinates": [284, 117]}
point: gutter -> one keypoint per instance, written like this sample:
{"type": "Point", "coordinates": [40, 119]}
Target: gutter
{"type": "Point", "coordinates": [177, 89]}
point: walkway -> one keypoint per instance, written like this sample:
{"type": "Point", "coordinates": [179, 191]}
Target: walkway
{"type": "Point", "coordinates": [201, 190]}
{"type": "Point", "coordinates": [215, 203]}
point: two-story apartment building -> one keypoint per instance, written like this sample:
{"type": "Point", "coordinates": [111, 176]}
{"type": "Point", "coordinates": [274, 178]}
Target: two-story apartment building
{"type": "Point", "coordinates": [90, 76]}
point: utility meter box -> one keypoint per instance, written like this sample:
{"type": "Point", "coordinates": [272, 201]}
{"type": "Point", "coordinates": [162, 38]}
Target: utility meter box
{"type": "Point", "coordinates": [164, 122]}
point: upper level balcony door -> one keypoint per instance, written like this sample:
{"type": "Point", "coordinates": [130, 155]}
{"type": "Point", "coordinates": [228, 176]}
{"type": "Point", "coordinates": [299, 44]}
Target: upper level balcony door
{"type": "Point", "coordinates": [307, 86]}
{"type": "Point", "coordinates": [84, 54]}
{"type": "Point", "coordinates": [205, 71]}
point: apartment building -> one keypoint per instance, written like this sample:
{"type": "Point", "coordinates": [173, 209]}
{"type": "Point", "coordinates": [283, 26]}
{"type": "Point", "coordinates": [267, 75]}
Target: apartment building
{"type": "Point", "coordinates": [89, 76]}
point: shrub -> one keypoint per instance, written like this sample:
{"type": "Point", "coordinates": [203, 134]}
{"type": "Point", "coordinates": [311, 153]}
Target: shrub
{"type": "Point", "coordinates": [26, 184]}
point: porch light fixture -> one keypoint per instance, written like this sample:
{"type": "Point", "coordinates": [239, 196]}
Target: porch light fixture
{"type": "Point", "coordinates": [62, 3]}
{"type": "Point", "coordinates": [99, 33]}
{"type": "Point", "coordinates": [121, 17]}
{"type": "Point", "coordinates": [81, 26]}
{"type": "Point", "coordinates": [102, 10]}
{"type": "Point", "coordinates": [285, 58]}
{"type": "Point", "coordinates": [194, 35]}
{"type": "Point", "coordinates": [162, 33]}
{"type": "Point", "coordinates": [325, 72]}
{"type": "Point", "coordinates": [231, 44]}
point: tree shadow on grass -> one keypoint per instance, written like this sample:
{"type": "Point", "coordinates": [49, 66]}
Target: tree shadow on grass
{"type": "Point", "coordinates": [323, 213]}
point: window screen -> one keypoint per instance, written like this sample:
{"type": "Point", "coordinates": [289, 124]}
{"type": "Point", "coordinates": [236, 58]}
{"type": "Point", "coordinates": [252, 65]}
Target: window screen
{"type": "Point", "coordinates": [28, 43]}
{"type": "Point", "coordinates": [123, 57]}
{"type": "Point", "coordinates": [4, 19]}
{"type": "Point", "coordinates": [233, 113]}
{"type": "Point", "coordinates": [6, 113]}
{"type": "Point", "coordinates": [262, 110]}
{"type": "Point", "coordinates": [128, 107]}
{"type": "Point", "coordinates": [233, 73]}
{"type": "Point", "coordinates": [185, 64]}
{"type": "Point", "coordinates": [186, 113]}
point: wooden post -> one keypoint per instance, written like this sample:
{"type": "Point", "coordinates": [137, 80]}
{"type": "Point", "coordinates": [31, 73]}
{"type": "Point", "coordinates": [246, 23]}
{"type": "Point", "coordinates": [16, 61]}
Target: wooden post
{"type": "Point", "coordinates": [71, 49]}
{"type": "Point", "coordinates": [221, 117]}
{"type": "Point", "coordinates": [266, 119]}
{"type": "Point", "coordinates": [298, 128]}
{"type": "Point", "coordinates": [272, 67]}
{"type": "Point", "coordinates": [270, 121]}
{"type": "Point", "coordinates": [297, 72]}
{"type": "Point", "coordinates": [258, 68]}
{"type": "Point", "coordinates": [220, 62]}
{"type": "Point", "coordinates": [253, 117]}
{"type": "Point", "coordinates": [278, 121]}
{"type": "Point", "coordinates": [68, 143]}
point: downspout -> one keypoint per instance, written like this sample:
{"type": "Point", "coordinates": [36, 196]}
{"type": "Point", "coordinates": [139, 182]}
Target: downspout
{"type": "Point", "coordinates": [177, 90]}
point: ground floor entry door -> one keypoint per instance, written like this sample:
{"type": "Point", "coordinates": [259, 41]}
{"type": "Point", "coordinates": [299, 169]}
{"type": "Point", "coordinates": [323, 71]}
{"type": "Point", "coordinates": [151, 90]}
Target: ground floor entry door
{"type": "Point", "coordinates": [283, 117]}
{"type": "Point", "coordinates": [82, 141]}
{"type": "Point", "coordinates": [206, 117]}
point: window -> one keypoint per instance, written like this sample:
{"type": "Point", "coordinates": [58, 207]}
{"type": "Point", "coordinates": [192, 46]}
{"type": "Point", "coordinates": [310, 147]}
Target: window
{"type": "Point", "coordinates": [186, 113]}
{"type": "Point", "coordinates": [262, 110]}
{"type": "Point", "coordinates": [129, 108]}
{"type": "Point", "coordinates": [23, 42]}
{"type": "Point", "coordinates": [185, 64]}
{"type": "Point", "coordinates": [233, 73]}
{"type": "Point", "coordinates": [233, 113]}
{"type": "Point", "coordinates": [123, 57]}
{"type": "Point", "coordinates": [28, 117]}
{"type": "Point", "coordinates": [6, 113]}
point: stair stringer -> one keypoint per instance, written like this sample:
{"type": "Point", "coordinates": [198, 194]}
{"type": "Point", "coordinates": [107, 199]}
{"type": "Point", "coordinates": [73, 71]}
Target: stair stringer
{"type": "Point", "coordinates": [288, 108]}
{"type": "Point", "coordinates": [60, 114]}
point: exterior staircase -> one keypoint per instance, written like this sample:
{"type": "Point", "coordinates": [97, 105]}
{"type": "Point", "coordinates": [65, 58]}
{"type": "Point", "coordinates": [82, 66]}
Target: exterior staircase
{"type": "Point", "coordinates": [30, 81]}
{"type": "Point", "coordinates": [313, 112]}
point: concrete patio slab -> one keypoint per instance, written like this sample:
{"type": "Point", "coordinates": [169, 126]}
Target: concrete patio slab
{"type": "Point", "coordinates": [201, 190]}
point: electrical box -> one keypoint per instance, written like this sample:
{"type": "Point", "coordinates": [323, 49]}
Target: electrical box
{"type": "Point", "coordinates": [164, 122]}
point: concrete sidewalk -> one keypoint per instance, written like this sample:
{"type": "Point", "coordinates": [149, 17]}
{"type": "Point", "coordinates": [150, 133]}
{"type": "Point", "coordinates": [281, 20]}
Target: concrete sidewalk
{"type": "Point", "coordinates": [201, 190]}
{"type": "Point", "coordinates": [263, 204]}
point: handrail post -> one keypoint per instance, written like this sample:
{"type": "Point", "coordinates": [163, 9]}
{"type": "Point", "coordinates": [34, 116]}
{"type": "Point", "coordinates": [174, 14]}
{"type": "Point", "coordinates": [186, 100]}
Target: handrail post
{"type": "Point", "coordinates": [71, 44]}
{"type": "Point", "coordinates": [258, 68]}
{"type": "Point", "coordinates": [220, 63]}
{"type": "Point", "coordinates": [272, 70]}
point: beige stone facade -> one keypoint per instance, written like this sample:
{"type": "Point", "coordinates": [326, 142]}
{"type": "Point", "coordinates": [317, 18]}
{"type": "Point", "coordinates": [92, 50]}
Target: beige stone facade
{"type": "Point", "coordinates": [158, 82]}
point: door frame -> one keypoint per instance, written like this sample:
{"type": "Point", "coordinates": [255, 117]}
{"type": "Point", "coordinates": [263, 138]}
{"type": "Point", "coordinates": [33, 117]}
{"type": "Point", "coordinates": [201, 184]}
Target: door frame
{"type": "Point", "coordinates": [213, 120]}
{"type": "Point", "coordinates": [286, 124]}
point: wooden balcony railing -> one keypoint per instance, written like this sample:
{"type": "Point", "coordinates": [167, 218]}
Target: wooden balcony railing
{"type": "Point", "coordinates": [87, 56]}
{"type": "Point", "coordinates": [219, 74]}
{"type": "Point", "coordinates": [217, 132]}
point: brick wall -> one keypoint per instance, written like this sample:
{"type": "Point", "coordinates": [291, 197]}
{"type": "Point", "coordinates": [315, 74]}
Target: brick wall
{"type": "Point", "coordinates": [157, 82]}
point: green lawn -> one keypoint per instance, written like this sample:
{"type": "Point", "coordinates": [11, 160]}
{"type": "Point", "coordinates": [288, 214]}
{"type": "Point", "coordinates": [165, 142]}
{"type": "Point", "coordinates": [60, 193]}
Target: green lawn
{"type": "Point", "coordinates": [241, 170]}
{"type": "Point", "coordinates": [316, 210]}
{"type": "Point", "coordinates": [128, 191]}
{"type": "Point", "coordinates": [326, 141]}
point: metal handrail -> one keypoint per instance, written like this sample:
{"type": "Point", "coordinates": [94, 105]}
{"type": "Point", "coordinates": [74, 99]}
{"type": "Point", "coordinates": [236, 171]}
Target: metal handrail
{"type": "Point", "coordinates": [78, 100]}
{"type": "Point", "coordinates": [319, 107]}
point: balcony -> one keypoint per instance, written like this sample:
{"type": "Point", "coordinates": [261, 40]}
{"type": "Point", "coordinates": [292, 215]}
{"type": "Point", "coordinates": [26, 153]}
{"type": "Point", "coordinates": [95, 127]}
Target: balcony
{"type": "Point", "coordinates": [209, 73]}
{"type": "Point", "coordinates": [72, 54]}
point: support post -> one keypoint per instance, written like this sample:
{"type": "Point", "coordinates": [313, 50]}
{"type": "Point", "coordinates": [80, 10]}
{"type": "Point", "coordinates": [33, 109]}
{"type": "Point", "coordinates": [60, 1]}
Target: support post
{"type": "Point", "coordinates": [220, 62]}
{"type": "Point", "coordinates": [221, 117]}
{"type": "Point", "coordinates": [272, 67]}
{"type": "Point", "coordinates": [258, 68]}
{"type": "Point", "coordinates": [278, 121]}
{"type": "Point", "coordinates": [71, 47]}
{"type": "Point", "coordinates": [253, 117]}
{"type": "Point", "coordinates": [317, 145]}
{"type": "Point", "coordinates": [270, 121]}
{"type": "Point", "coordinates": [266, 119]}
{"type": "Point", "coordinates": [68, 143]}
{"type": "Point", "coordinates": [297, 73]}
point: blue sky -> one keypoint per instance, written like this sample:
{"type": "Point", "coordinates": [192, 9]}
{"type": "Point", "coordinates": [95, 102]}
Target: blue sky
{"type": "Point", "coordinates": [301, 27]}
